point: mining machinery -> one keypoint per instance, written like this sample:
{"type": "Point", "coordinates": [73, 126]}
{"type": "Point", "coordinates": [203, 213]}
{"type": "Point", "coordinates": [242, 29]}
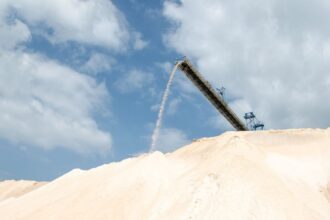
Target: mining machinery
{"type": "Point", "coordinates": [214, 98]}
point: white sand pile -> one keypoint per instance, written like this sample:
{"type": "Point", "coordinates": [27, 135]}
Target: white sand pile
{"type": "Point", "coordinates": [239, 175]}
{"type": "Point", "coordinates": [14, 189]}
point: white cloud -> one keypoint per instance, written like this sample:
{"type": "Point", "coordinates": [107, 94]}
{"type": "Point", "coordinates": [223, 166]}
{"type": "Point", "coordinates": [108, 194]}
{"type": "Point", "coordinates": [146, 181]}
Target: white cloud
{"type": "Point", "coordinates": [155, 107]}
{"type": "Point", "coordinates": [173, 105]}
{"type": "Point", "coordinates": [47, 105]}
{"type": "Point", "coordinates": [165, 66]}
{"type": "Point", "coordinates": [95, 22]}
{"type": "Point", "coordinates": [134, 80]}
{"type": "Point", "coordinates": [13, 35]}
{"type": "Point", "coordinates": [98, 63]}
{"type": "Point", "coordinates": [139, 43]}
{"type": "Point", "coordinates": [219, 122]}
{"type": "Point", "coordinates": [273, 54]}
{"type": "Point", "coordinates": [171, 139]}
{"type": "Point", "coordinates": [42, 102]}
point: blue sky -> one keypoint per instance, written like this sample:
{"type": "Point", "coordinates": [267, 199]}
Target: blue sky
{"type": "Point", "coordinates": [129, 111]}
{"type": "Point", "coordinates": [81, 81]}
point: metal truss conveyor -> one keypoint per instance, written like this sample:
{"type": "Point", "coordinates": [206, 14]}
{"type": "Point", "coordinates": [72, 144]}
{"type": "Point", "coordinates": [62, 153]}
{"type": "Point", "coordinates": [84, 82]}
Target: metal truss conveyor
{"type": "Point", "coordinates": [207, 90]}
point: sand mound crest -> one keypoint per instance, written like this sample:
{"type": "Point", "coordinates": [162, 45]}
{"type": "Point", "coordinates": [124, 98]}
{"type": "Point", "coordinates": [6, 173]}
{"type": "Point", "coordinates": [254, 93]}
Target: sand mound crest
{"type": "Point", "coordinates": [238, 175]}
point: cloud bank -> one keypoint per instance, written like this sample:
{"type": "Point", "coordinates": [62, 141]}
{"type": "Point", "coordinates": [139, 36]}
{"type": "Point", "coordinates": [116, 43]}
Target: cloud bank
{"type": "Point", "coordinates": [272, 56]}
{"type": "Point", "coordinates": [170, 139]}
{"type": "Point", "coordinates": [44, 103]}
{"type": "Point", "coordinates": [97, 23]}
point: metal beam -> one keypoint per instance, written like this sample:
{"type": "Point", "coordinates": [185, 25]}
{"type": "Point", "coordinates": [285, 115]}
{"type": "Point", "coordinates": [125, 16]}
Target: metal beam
{"type": "Point", "coordinates": [207, 90]}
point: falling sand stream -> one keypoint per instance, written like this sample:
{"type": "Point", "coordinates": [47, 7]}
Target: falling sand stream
{"type": "Point", "coordinates": [156, 131]}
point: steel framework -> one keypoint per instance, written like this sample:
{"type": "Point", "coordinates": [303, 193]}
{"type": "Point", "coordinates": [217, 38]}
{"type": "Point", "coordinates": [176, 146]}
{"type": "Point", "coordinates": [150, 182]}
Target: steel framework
{"type": "Point", "coordinates": [252, 122]}
{"type": "Point", "coordinates": [214, 98]}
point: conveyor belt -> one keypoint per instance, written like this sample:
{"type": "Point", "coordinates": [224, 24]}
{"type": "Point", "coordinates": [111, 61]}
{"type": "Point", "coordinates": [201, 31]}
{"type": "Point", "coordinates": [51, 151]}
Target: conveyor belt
{"type": "Point", "coordinates": [207, 90]}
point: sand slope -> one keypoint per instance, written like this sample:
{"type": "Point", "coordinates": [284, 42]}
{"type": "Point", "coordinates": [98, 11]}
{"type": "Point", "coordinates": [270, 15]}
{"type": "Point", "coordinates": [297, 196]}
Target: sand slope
{"type": "Point", "coordinates": [238, 175]}
{"type": "Point", "coordinates": [14, 189]}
